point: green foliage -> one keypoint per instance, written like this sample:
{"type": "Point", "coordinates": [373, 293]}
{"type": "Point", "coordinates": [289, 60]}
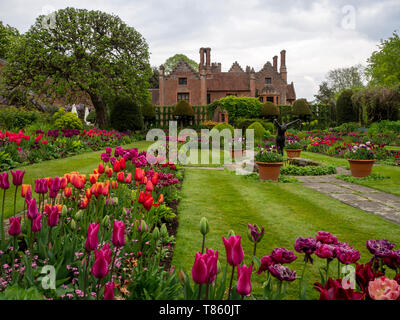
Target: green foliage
{"type": "Point", "coordinates": [371, 177]}
{"type": "Point", "coordinates": [293, 170]}
{"type": "Point", "coordinates": [384, 127]}
{"type": "Point", "coordinates": [223, 125]}
{"type": "Point", "coordinates": [384, 64]}
{"type": "Point", "coordinates": [294, 145]}
{"type": "Point", "coordinates": [244, 123]}
{"type": "Point", "coordinates": [164, 213]}
{"type": "Point", "coordinates": [126, 115]}
{"type": "Point", "coordinates": [348, 127]}
{"type": "Point", "coordinates": [154, 79]}
{"type": "Point", "coordinates": [269, 110]}
{"type": "Point", "coordinates": [183, 109]}
{"type": "Point", "coordinates": [17, 118]}
{"type": "Point", "coordinates": [148, 112]}
{"type": "Point", "coordinates": [258, 131]}
{"type": "Point", "coordinates": [301, 108]}
{"type": "Point", "coordinates": [110, 58]}
{"type": "Point", "coordinates": [268, 156]}
{"type": "Point", "coordinates": [172, 62]}
{"type": "Point", "coordinates": [345, 109]}
{"type": "Point", "coordinates": [376, 104]}
{"type": "Point", "coordinates": [360, 154]}
{"type": "Point", "coordinates": [238, 107]}
{"type": "Point", "coordinates": [7, 36]}
{"type": "Point", "coordinates": [68, 120]}
{"type": "Point", "coordinates": [15, 292]}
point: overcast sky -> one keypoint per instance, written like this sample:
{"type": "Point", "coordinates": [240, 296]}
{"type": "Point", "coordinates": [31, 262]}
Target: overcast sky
{"type": "Point", "coordinates": [317, 35]}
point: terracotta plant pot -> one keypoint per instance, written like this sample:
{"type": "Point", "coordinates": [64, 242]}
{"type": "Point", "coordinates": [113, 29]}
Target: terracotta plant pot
{"type": "Point", "coordinates": [360, 168]}
{"type": "Point", "coordinates": [269, 170]}
{"type": "Point", "coordinates": [293, 153]}
{"type": "Point", "coordinates": [237, 153]}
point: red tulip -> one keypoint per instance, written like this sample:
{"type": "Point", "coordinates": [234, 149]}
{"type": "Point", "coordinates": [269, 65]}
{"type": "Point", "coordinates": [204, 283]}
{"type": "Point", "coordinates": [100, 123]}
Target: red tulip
{"type": "Point", "coordinates": [15, 226]}
{"type": "Point", "coordinates": [128, 178]}
{"type": "Point", "coordinates": [142, 197]}
{"type": "Point", "coordinates": [199, 269]}
{"type": "Point", "coordinates": [63, 183]}
{"type": "Point", "coordinates": [148, 203]}
{"type": "Point", "coordinates": [333, 290]}
{"type": "Point", "coordinates": [121, 176]}
{"type": "Point", "coordinates": [117, 166]}
{"type": "Point", "coordinates": [149, 186]}
{"type": "Point", "coordinates": [244, 280]}
{"type": "Point", "coordinates": [122, 163]}
{"type": "Point", "coordinates": [114, 184]}
{"type": "Point", "coordinates": [101, 168]}
{"type": "Point", "coordinates": [109, 291]}
{"type": "Point", "coordinates": [154, 179]}
{"type": "Point", "coordinates": [234, 250]}
{"type": "Point", "coordinates": [118, 237]}
{"type": "Point", "coordinates": [67, 192]}
{"type": "Point", "coordinates": [93, 178]}
{"type": "Point", "coordinates": [138, 174]}
{"type": "Point", "coordinates": [161, 199]}
{"type": "Point", "coordinates": [92, 239]}
{"type": "Point", "coordinates": [100, 266]}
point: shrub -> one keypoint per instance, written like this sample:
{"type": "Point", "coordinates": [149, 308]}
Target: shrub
{"type": "Point", "coordinates": [91, 117]}
{"type": "Point", "coordinates": [17, 118]}
{"type": "Point", "coordinates": [244, 123]}
{"type": "Point", "coordinates": [348, 127]}
{"type": "Point", "coordinates": [301, 109]}
{"type": "Point", "coordinates": [68, 120]}
{"type": "Point", "coordinates": [223, 125]}
{"type": "Point", "coordinates": [184, 111]}
{"type": "Point", "coordinates": [345, 108]}
{"type": "Point", "coordinates": [148, 112]}
{"type": "Point", "coordinates": [269, 110]}
{"type": "Point", "coordinates": [308, 170]}
{"type": "Point", "coordinates": [238, 107]}
{"type": "Point", "coordinates": [126, 115]}
{"type": "Point", "coordinates": [258, 131]}
{"type": "Point", "coordinates": [384, 126]}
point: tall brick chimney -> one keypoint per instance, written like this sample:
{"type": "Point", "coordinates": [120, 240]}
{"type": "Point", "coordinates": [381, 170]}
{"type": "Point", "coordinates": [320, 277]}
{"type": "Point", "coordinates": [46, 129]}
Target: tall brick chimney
{"type": "Point", "coordinates": [161, 86]}
{"type": "Point", "coordinates": [208, 57]}
{"type": "Point", "coordinates": [282, 69]}
{"type": "Point", "coordinates": [275, 63]}
{"type": "Point", "coordinates": [201, 65]}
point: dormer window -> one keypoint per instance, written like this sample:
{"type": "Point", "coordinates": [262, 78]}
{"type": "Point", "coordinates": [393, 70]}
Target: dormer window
{"type": "Point", "coordinates": [182, 81]}
{"type": "Point", "coordinates": [267, 80]}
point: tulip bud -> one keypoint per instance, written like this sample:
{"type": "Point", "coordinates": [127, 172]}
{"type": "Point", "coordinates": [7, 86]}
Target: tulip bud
{"type": "Point", "coordinates": [156, 234]}
{"type": "Point", "coordinates": [78, 215]}
{"type": "Point", "coordinates": [164, 231]}
{"type": "Point", "coordinates": [143, 226]}
{"type": "Point", "coordinates": [182, 277]}
{"type": "Point", "coordinates": [73, 224]}
{"type": "Point", "coordinates": [64, 211]}
{"type": "Point", "coordinates": [204, 226]}
{"type": "Point", "coordinates": [106, 220]}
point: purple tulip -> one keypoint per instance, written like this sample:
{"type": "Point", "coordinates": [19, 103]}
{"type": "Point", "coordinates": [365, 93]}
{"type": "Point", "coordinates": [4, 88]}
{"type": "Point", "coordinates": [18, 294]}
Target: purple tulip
{"type": "Point", "coordinates": [234, 250]}
{"type": "Point", "coordinates": [380, 248]}
{"type": "Point", "coordinates": [347, 254]}
{"type": "Point", "coordinates": [53, 216]}
{"type": "Point", "coordinates": [109, 291]}
{"type": "Point", "coordinates": [17, 177]}
{"type": "Point", "coordinates": [326, 251]}
{"type": "Point", "coordinates": [41, 186]}
{"type": "Point", "coordinates": [100, 266]}
{"type": "Point", "coordinates": [4, 182]}
{"type": "Point", "coordinates": [32, 210]}
{"type": "Point", "coordinates": [282, 273]}
{"type": "Point", "coordinates": [37, 223]}
{"type": "Point", "coordinates": [199, 269]}
{"type": "Point", "coordinates": [282, 255]}
{"type": "Point", "coordinates": [15, 226]}
{"type": "Point", "coordinates": [255, 234]}
{"type": "Point", "coordinates": [307, 246]}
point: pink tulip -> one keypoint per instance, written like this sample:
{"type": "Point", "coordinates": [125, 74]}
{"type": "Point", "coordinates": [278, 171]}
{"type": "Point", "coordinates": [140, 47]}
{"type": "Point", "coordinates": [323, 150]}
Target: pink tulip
{"type": "Point", "coordinates": [118, 237]}
{"type": "Point", "coordinates": [244, 280]}
{"type": "Point", "coordinates": [384, 289]}
{"type": "Point", "coordinates": [109, 291]}
{"type": "Point", "coordinates": [92, 239]}
{"type": "Point", "coordinates": [234, 250]}
{"type": "Point", "coordinates": [37, 223]}
{"type": "Point", "coordinates": [212, 264]}
{"type": "Point", "coordinates": [106, 252]}
{"type": "Point", "coordinates": [32, 210]}
{"type": "Point", "coordinates": [4, 182]}
{"type": "Point", "coordinates": [199, 269]}
{"type": "Point", "coordinates": [15, 226]}
{"type": "Point", "coordinates": [100, 266]}
{"type": "Point", "coordinates": [53, 216]}
{"type": "Point", "coordinates": [17, 177]}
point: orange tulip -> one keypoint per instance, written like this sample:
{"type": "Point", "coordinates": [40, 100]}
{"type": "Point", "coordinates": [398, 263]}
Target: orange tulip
{"type": "Point", "coordinates": [84, 203]}
{"type": "Point", "coordinates": [161, 199]}
{"type": "Point", "coordinates": [96, 171]}
{"type": "Point", "coordinates": [114, 184]}
{"type": "Point", "coordinates": [88, 193]}
{"type": "Point", "coordinates": [83, 178]}
{"type": "Point", "coordinates": [109, 172]}
{"type": "Point", "coordinates": [67, 192]}
{"type": "Point", "coordinates": [68, 177]}
{"type": "Point", "coordinates": [24, 189]}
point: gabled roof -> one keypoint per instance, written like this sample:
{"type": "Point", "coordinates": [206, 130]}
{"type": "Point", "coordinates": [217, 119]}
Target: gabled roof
{"type": "Point", "coordinates": [236, 67]}
{"type": "Point", "coordinates": [291, 94]}
{"type": "Point", "coordinates": [182, 67]}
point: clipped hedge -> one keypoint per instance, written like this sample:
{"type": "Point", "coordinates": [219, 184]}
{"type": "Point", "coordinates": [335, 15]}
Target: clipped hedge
{"type": "Point", "coordinates": [301, 108]}
{"type": "Point", "coordinates": [244, 123]}
{"type": "Point", "coordinates": [238, 107]}
{"type": "Point", "coordinates": [269, 110]}
{"type": "Point", "coordinates": [183, 109]}
{"type": "Point", "coordinates": [258, 131]}
{"type": "Point", "coordinates": [345, 107]}
{"type": "Point", "coordinates": [126, 115]}
{"type": "Point", "coordinates": [223, 125]}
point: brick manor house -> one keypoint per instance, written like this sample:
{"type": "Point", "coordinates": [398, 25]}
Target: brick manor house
{"type": "Point", "coordinates": [210, 83]}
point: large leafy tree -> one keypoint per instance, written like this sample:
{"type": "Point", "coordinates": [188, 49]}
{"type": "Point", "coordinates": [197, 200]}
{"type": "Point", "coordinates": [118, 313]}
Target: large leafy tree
{"type": "Point", "coordinates": [80, 52]}
{"type": "Point", "coordinates": [346, 78]}
{"type": "Point", "coordinates": [171, 62]}
{"type": "Point", "coordinates": [154, 81]}
{"type": "Point", "coordinates": [384, 64]}
{"type": "Point", "coordinates": [7, 36]}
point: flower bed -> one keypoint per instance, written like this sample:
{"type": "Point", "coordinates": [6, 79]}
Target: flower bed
{"type": "Point", "coordinates": [17, 148]}
{"type": "Point", "coordinates": [104, 233]}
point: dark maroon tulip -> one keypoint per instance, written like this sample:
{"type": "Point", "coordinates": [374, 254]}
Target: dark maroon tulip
{"type": "Point", "coordinates": [282, 255]}
{"type": "Point", "coordinates": [100, 266]}
{"type": "Point", "coordinates": [282, 273]}
{"type": "Point", "coordinates": [118, 236]}
{"type": "Point", "coordinates": [333, 290]}
{"type": "Point", "coordinates": [4, 182]}
{"type": "Point", "coordinates": [92, 239]}
{"type": "Point", "coordinates": [109, 291]}
{"type": "Point", "coordinates": [17, 177]}
{"type": "Point", "coordinates": [326, 238]}
{"type": "Point", "coordinates": [15, 226]}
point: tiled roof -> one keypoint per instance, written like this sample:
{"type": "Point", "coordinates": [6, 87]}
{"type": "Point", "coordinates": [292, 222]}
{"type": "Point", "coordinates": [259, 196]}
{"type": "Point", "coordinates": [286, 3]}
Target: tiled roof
{"type": "Point", "coordinates": [291, 95]}
{"type": "Point", "coordinates": [228, 81]}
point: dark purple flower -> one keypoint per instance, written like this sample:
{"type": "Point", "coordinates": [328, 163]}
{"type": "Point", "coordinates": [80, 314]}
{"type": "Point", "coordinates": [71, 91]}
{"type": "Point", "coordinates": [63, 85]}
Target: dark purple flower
{"type": "Point", "coordinates": [282, 273]}
{"type": "Point", "coordinates": [255, 234]}
{"type": "Point", "coordinates": [380, 248]}
{"type": "Point", "coordinates": [282, 255]}
{"type": "Point", "coordinates": [307, 246]}
{"type": "Point", "coordinates": [347, 254]}
{"type": "Point", "coordinates": [326, 237]}
{"type": "Point", "coordinates": [326, 251]}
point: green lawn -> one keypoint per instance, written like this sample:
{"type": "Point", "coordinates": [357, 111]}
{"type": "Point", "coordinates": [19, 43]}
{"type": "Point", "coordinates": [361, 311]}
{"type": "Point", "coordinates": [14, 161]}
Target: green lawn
{"type": "Point", "coordinates": [286, 210]}
{"type": "Point", "coordinates": [391, 185]}
{"type": "Point", "coordinates": [83, 163]}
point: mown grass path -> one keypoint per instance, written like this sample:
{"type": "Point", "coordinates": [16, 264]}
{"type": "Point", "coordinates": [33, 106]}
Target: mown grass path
{"type": "Point", "coordinates": [287, 211]}
{"type": "Point", "coordinates": [83, 163]}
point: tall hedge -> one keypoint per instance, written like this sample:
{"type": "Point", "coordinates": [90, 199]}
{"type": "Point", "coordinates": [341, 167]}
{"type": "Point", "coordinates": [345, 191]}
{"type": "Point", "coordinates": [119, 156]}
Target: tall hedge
{"type": "Point", "coordinates": [149, 114]}
{"type": "Point", "coordinates": [301, 109]}
{"type": "Point", "coordinates": [269, 110]}
{"type": "Point", "coordinates": [238, 107]}
{"type": "Point", "coordinates": [126, 115]}
{"type": "Point", "coordinates": [184, 111]}
{"type": "Point", "coordinates": [346, 112]}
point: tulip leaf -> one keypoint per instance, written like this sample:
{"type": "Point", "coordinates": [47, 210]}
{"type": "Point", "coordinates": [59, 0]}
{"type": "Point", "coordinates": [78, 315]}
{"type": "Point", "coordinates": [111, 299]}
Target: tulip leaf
{"type": "Point", "coordinates": [234, 294]}
{"type": "Point", "coordinates": [222, 285]}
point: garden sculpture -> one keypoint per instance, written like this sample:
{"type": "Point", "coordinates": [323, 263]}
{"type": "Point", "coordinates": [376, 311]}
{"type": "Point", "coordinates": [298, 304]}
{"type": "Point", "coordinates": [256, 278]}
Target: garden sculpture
{"type": "Point", "coordinates": [280, 136]}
